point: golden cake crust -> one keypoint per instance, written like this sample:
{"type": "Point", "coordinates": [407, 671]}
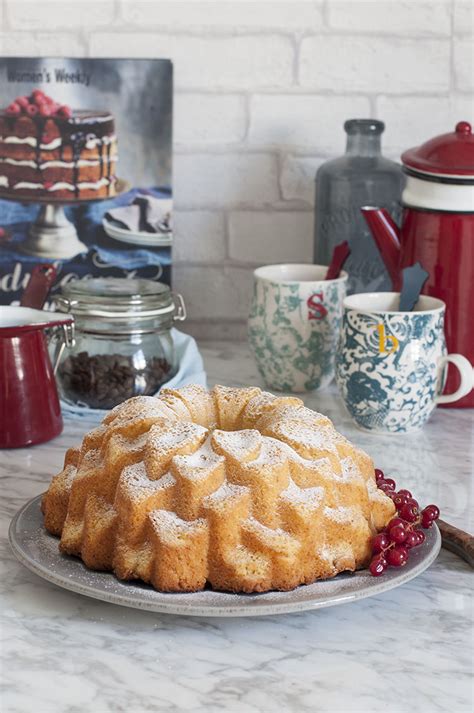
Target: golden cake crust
{"type": "Point", "coordinates": [232, 488]}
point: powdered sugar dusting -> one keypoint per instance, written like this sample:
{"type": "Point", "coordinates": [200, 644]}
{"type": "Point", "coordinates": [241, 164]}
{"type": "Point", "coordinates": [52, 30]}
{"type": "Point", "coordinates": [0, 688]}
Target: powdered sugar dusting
{"type": "Point", "coordinates": [278, 539]}
{"type": "Point", "coordinates": [135, 480]}
{"type": "Point", "coordinates": [309, 497]}
{"type": "Point", "coordinates": [333, 553]}
{"type": "Point", "coordinates": [342, 515]}
{"type": "Point", "coordinates": [271, 453]}
{"type": "Point", "coordinates": [142, 407]}
{"type": "Point", "coordinates": [170, 527]}
{"type": "Point", "coordinates": [69, 473]}
{"type": "Point", "coordinates": [227, 491]}
{"type": "Point", "coordinates": [177, 433]}
{"type": "Point", "coordinates": [238, 444]}
{"type": "Point", "coordinates": [315, 438]}
{"type": "Point", "coordinates": [200, 463]}
{"type": "Point", "coordinates": [350, 470]}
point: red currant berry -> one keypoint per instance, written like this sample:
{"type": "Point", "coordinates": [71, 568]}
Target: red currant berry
{"type": "Point", "coordinates": [411, 540]}
{"type": "Point", "coordinates": [391, 483]}
{"type": "Point", "coordinates": [384, 487]}
{"type": "Point", "coordinates": [421, 536]}
{"type": "Point", "coordinates": [378, 474]}
{"type": "Point", "coordinates": [31, 109]}
{"type": "Point", "coordinates": [412, 501]}
{"type": "Point", "coordinates": [378, 566]}
{"type": "Point", "coordinates": [432, 511]}
{"type": "Point", "coordinates": [397, 534]}
{"type": "Point", "coordinates": [394, 522]}
{"type": "Point", "coordinates": [399, 500]}
{"type": "Point", "coordinates": [405, 492]}
{"type": "Point", "coordinates": [397, 557]}
{"type": "Point", "coordinates": [409, 512]}
{"type": "Point", "coordinates": [13, 109]}
{"type": "Point", "coordinates": [65, 112]}
{"type": "Point", "coordinates": [380, 542]}
{"type": "Point", "coordinates": [426, 521]}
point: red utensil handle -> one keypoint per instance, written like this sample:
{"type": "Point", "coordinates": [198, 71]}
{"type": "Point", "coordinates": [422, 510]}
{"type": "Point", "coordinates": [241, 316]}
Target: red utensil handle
{"type": "Point", "coordinates": [38, 287]}
{"type": "Point", "coordinates": [339, 256]}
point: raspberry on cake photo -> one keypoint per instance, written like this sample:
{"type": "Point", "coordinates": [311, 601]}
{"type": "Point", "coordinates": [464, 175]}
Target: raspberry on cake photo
{"type": "Point", "coordinates": [48, 149]}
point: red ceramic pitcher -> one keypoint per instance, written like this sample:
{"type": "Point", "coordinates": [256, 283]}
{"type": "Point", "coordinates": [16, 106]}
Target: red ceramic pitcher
{"type": "Point", "coordinates": [437, 231]}
{"type": "Point", "coordinates": [29, 404]}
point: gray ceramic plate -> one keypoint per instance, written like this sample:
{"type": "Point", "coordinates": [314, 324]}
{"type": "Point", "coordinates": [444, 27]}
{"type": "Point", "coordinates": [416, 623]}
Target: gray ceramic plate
{"type": "Point", "coordinates": [38, 551]}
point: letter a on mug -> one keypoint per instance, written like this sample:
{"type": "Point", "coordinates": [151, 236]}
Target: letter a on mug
{"type": "Point", "coordinates": [383, 339]}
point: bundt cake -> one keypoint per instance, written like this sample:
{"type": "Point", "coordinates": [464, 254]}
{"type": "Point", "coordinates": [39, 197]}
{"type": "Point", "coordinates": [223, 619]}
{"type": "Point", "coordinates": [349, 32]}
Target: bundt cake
{"type": "Point", "coordinates": [233, 488]}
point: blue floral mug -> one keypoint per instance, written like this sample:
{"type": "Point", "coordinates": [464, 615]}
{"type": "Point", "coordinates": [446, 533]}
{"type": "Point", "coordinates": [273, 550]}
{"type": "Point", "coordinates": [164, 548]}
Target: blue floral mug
{"type": "Point", "coordinates": [294, 325]}
{"type": "Point", "coordinates": [390, 365]}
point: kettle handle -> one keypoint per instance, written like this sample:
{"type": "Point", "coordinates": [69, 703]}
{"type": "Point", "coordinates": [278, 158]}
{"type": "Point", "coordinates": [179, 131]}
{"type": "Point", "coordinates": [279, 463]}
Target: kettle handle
{"type": "Point", "coordinates": [466, 372]}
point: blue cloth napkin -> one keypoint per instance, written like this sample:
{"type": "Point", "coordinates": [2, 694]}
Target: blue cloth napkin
{"type": "Point", "coordinates": [191, 371]}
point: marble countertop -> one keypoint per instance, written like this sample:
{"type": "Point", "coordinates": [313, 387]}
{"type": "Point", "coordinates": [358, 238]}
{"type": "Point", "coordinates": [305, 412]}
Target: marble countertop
{"type": "Point", "coordinates": [408, 649]}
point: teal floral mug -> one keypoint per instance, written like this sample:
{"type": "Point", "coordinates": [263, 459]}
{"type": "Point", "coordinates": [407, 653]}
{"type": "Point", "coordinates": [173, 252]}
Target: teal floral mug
{"type": "Point", "coordinates": [391, 365]}
{"type": "Point", "coordinates": [294, 324]}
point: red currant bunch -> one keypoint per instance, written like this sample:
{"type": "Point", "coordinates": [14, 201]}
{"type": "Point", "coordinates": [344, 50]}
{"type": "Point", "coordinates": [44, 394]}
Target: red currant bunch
{"type": "Point", "coordinates": [391, 546]}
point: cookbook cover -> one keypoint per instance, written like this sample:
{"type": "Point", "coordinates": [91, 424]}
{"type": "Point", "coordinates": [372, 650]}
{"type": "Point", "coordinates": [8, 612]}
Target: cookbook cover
{"type": "Point", "coordinates": [85, 169]}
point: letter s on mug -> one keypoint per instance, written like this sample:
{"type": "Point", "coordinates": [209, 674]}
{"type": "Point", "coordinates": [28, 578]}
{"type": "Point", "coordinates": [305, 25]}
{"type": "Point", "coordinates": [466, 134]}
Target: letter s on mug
{"type": "Point", "coordinates": [316, 309]}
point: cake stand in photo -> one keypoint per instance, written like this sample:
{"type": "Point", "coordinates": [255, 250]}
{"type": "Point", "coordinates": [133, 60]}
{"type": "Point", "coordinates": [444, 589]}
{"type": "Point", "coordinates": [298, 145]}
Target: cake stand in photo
{"type": "Point", "coordinates": [52, 235]}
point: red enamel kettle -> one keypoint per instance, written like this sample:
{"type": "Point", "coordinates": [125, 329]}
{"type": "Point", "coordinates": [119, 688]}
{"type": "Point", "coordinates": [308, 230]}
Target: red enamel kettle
{"type": "Point", "coordinates": [437, 231]}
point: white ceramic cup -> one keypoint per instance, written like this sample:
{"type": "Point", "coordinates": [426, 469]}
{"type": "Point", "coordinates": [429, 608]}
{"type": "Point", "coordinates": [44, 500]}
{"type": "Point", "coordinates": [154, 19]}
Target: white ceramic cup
{"type": "Point", "coordinates": [391, 365]}
{"type": "Point", "coordinates": [294, 325]}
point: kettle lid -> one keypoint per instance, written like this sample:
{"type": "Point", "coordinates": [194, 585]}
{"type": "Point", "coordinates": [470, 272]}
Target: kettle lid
{"type": "Point", "coordinates": [450, 155]}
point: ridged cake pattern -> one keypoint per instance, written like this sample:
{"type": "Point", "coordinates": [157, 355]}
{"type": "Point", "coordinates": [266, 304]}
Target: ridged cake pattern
{"type": "Point", "coordinates": [234, 488]}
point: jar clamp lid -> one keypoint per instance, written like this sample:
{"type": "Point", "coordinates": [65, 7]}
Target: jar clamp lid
{"type": "Point", "coordinates": [122, 300]}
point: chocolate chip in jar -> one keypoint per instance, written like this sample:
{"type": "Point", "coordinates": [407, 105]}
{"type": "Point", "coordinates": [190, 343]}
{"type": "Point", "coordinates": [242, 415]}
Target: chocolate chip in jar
{"type": "Point", "coordinates": [105, 380]}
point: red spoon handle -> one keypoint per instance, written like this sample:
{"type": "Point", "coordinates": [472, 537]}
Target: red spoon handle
{"type": "Point", "coordinates": [339, 257]}
{"type": "Point", "coordinates": [37, 289]}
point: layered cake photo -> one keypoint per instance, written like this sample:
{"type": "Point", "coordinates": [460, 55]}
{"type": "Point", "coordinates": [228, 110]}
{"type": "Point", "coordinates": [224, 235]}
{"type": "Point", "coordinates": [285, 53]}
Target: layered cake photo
{"type": "Point", "coordinates": [48, 150]}
{"type": "Point", "coordinates": [85, 170]}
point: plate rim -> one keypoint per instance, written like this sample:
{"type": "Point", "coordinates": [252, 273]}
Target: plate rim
{"type": "Point", "coordinates": [139, 238]}
{"type": "Point", "coordinates": [232, 610]}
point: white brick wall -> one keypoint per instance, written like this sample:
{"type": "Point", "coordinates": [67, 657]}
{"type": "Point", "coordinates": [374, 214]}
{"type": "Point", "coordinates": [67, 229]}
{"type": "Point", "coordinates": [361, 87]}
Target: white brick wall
{"type": "Point", "coordinates": [209, 119]}
{"type": "Point", "coordinates": [261, 91]}
{"type": "Point", "coordinates": [301, 120]}
{"type": "Point", "coordinates": [391, 17]}
{"type": "Point", "coordinates": [374, 64]}
{"type": "Point", "coordinates": [208, 62]}
{"type": "Point", "coordinates": [286, 236]}
{"type": "Point", "coordinates": [48, 14]}
{"type": "Point", "coordinates": [464, 64]}
{"type": "Point", "coordinates": [225, 179]}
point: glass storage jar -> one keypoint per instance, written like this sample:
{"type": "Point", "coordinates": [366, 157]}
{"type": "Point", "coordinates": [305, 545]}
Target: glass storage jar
{"type": "Point", "coordinates": [123, 345]}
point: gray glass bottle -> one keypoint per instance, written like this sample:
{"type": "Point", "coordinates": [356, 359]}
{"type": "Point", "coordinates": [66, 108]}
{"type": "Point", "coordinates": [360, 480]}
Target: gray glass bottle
{"type": "Point", "coordinates": [361, 177]}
